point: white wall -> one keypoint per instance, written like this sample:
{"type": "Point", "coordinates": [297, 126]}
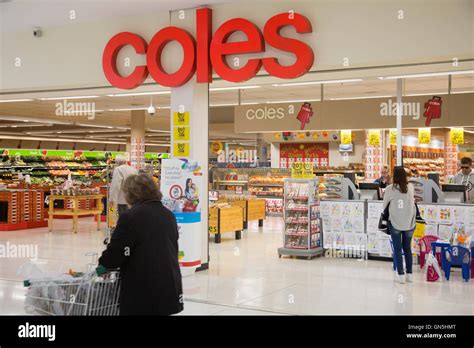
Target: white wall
{"type": "Point", "coordinates": [366, 32]}
{"type": "Point", "coordinates": [337, 160]}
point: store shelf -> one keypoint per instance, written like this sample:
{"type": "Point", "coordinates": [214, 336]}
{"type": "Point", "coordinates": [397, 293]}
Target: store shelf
{"type": "Point", "coordinates": [266, 184]}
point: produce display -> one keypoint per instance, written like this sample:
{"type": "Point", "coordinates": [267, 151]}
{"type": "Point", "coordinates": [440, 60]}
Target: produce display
{"type": "Point", "coordinates": [75, 191]}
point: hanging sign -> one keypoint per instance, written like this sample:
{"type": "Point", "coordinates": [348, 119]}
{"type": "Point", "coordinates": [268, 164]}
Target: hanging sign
{"type": "Point", "coordinates": [424, 135]}
{"type": "Point", "coordinates": [346, 137]}
{"type": "Point", "coordinates": [393, 137]}
{"type": "Point", "coordinates": [432, 109]}
{"type": "Point", "coordinates": [457, 136]}
{"type": "Point", "coordinates": [374, 137]}
{"type": "Point", "coordinates": [216, 147]}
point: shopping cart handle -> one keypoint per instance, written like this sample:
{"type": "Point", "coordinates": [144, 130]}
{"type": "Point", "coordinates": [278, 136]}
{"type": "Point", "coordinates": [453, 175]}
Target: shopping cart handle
{"type": "Point", "coordinates": [26, 283]}
{"type": "Point", "coordinates": [100, 270]}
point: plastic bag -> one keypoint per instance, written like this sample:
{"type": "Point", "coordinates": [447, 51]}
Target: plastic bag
{"type": "Point", "coordinates": [433, 271]}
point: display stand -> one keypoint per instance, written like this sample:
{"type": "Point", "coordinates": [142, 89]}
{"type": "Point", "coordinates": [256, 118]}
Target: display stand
{"type": "Point", "coordinates": [75, 212]}
{"type": "Point", "coordinates": [253, 209]}
{"type": "Point", "coordinates": [302, 231]}
{"type": "Point", "coordinates": [21, 209]}
{"type": "Point", "coordinates": [222, 220]}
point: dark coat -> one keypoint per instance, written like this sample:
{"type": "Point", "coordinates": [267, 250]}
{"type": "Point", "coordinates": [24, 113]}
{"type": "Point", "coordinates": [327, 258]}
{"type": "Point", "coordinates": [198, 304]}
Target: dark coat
{"type": "Point", "coordinates": [144, 246]}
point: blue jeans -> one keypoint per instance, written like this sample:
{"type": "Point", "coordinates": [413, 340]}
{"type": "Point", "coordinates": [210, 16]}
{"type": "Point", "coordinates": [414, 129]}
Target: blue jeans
{"type": "Point", "coordinates": [402, 240]}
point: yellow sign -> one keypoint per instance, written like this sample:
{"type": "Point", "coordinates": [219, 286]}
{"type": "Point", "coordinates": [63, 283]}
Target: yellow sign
{"type": "Point", "coordinates": [181, 118]}
{"type": "Point", "coordinates": [302, 170]}
{"type": "Point", "coordinates": [424, 135]}
{"type": "Point", "coordinates": [181, 133]}
{"type": "Point", "coordinates": [374, 137]}
{"type": "Point", "coordinates": [457, 136]}
{"type": "Point", "coordinates": [181, 150]}
{"type": "Point", "coordinates": [346, 137]}
{"type": "Point", "coordinates": [393, 137]}
{"type": "Point", "coordinates": [216, 146]}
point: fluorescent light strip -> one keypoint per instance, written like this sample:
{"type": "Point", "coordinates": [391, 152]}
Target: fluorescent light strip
{"type": "Point", "coordinates": [367, 97]}
{"type": "Point", "coordinates": [215, 89]}
{"type": "Point", "coordinates": [158, 130]}
{"type": "Point", "coordinates": [446, 73]}
{"type": "Point", "coordinates": [72, 97]}
{"type": "Point", "coordinates": [138, 94]}
{"type": "Point", "coordinates": [127, 109]}
{"type": "Point", "coordinates": [15, 100]}
{"type": "Point", "coordinates": [85, 112]}
{"type": "Point", "coordinates": [461, 92]}
{"type": "Point", "coordinates": [291, 101]}
{"type": "Point", "coordinates": [314, 83]}
{"type": "Point", "coordinates": [94, 125]}
{"type": "Point", "coordinates": [163, 107]}
{"type": "Point", "coordinates": [230, 104]}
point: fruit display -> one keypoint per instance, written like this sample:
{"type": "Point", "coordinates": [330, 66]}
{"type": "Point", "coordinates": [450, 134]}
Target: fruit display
{"type": "Point", "coordinates": [75, 191]}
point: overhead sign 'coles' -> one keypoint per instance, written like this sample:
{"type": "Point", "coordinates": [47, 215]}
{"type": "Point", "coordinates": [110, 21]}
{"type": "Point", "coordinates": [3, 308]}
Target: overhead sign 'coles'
{"type": "Point", "coordinates": [208, 53]}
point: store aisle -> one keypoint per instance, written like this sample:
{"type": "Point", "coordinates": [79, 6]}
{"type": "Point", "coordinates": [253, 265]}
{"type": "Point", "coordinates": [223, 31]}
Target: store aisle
{"type": "Point", "coordinates": [246, 277]}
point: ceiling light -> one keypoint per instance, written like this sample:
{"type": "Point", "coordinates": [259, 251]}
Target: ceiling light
{"type": "Point", "coordinates": [291, 101]}
{"type": "Point", "coordinates": [13, 126]}
{"type": "Point", "coordinates": [72, 97]}
{"type": "Point", "coordinates": [15, 100]}
{"type": "Point", "coordinates": [229, 104]}
{"type": "Point", "coordinates": [232, 88]}
{"type": "Point", "coordinates": [366, 97]}
{"type": "Point", "coordinates": [127, 109]}
{"type": "Point", "coordinates": [446, 73]}
{"type": "Point", "coordinates": [138, 93]}
{"type": "Point", "coordinates": [314, 83]}
{"type": "Point", "coordinates": [158, 130]}
{"type": "Point", "coordinates": [164, 107]}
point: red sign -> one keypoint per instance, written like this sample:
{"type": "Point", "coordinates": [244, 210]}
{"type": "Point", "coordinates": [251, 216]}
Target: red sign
{"type": "Point", "coordinates": [305, 113]}
{"type": "Point", "coordinates": [432, 109]}
{"type": "Point", "coordinates": [209, 52]}
{"type": "Point", "coordinates": [317, 153]}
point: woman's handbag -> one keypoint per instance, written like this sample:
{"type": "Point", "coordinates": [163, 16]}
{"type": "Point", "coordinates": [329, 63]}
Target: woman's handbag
{"type": "Point", "coordinates": [383, 221]}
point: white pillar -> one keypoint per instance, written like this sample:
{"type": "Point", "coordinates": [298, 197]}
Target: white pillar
{"type": "Point", "coordinates": [399, 122]}
{"type": "Point", "coordinates": [275, 155]}
{"type": "Point", "coordinates": [137, 139]}
{"type": "Point", "coordinates": [194, 98]}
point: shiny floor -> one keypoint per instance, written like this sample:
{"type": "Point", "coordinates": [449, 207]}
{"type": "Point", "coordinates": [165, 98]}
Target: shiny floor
{"type": "Point", "coordinates": [246, 277]}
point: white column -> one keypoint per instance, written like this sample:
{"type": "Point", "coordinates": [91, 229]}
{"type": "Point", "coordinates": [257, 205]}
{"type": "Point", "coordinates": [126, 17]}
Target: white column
{"type": "Point", "coordinates": [275, 155]}
{"type": "Point", "coordinates": [399, 121]}
{"type": "Point", "coordinates": [137, 139]}
{"type": "Point", "coordinates": [194, 98]}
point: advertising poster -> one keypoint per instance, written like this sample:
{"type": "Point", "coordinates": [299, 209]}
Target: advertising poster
{"type": "Point", "coordinates": [317, 153]}
{"type": "Point", "coordinates": [181, 182]}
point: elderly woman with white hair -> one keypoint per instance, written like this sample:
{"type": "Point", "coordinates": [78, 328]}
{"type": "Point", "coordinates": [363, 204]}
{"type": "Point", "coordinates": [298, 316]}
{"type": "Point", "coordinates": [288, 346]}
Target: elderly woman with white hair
{"type": "Point", "coordinates": [120, 174]}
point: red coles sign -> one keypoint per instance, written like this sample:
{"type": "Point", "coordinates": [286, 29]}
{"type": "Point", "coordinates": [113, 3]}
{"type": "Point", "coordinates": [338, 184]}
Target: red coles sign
{"type": "Point", "coordinates": [207, 52]}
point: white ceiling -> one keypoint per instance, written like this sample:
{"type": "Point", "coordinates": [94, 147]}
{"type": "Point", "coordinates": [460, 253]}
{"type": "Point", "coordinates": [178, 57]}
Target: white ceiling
{"type": "Point", "coordinates": [26, 14]}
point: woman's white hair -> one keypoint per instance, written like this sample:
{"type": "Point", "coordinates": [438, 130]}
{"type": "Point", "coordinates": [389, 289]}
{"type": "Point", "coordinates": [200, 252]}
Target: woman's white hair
{"type": "Point", "coordinates": [120, 159]}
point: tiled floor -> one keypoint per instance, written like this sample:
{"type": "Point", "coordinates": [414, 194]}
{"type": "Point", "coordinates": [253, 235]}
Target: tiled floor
{"type": "Point", "coordinates": [246, 277]}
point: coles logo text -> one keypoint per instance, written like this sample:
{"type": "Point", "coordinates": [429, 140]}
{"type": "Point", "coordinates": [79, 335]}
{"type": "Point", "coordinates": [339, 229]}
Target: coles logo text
{"type": "Point", "coordinates": [207, 53]}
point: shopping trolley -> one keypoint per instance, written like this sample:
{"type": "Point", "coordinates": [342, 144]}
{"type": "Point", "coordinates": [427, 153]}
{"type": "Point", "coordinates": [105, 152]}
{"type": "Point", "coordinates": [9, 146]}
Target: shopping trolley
{"type": "Point", "coordinates": [85, 294]}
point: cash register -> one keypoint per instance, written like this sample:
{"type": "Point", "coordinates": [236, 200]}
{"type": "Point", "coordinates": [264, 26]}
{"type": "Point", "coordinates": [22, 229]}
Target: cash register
{"type": "Point", "coordinates": [454, 193]}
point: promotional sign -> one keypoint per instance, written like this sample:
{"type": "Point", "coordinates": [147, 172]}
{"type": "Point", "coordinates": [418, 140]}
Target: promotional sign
{"type": "Point", "coordinates": [181, 134]}
{"type": "Point", "coordinates": [374, 137]}
{"type": "Point", "coordinates": [181, 181]}
{"type": "Point", "coordinates": [316, 153]}
{"type": "Point", "coordinates": [216, 147]}
{"type": "Point", "coordinates": [393, 137]}
{"type": "Point", "coordinates": [424, 135]}
{"type": "Point", "coordinates": [302, 170]}
{"type": "Point", "coordinates": [306, 112]}
{"type": "Point", "coordinates": [432, 109]}
{"type": "Point", "coordinates": [457, 136]}
{"type": "Point", "coordinates": [346, 137]}
{"type": "Point", "coordinates": [206, 53]}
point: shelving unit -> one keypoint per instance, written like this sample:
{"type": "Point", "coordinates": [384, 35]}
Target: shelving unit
{"type": "Point", "coordinates": [302, 232]}
{"type": "Point", "coordinates": [422, 160]}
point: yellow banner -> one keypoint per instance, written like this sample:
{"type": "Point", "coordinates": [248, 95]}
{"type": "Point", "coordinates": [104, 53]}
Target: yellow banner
{"type": "Point", "coordinates": [181, 133]}
{"type": "Point", "coordinates": [346, 137]}
{"type": "Point", "coordinates": [457, 136]}
{"type": "Point", "coordinates": [181, 118]}
{"type": "Point", "coordinates": [424, 135]}
{"type": "Point", "coordinates": [181, 150]}
{"type": "Point", "coordinates": [393, 137]}
{"type": "Point", "coordinates": [374, 137]}
{"type": "Point", "coordinates": [302, 170]}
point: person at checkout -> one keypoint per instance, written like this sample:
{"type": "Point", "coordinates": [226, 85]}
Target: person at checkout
{"type": "Point", "coordinates": [466, 177]}
{"type": "Point", "coordinates": [385, 178]}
